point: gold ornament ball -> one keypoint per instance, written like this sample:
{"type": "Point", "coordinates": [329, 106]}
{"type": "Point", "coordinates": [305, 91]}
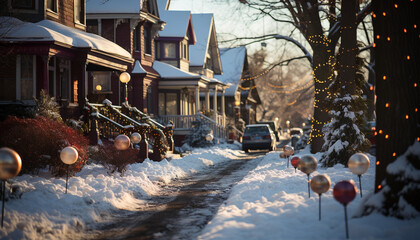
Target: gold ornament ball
{"type": "Point", "coordinates": [209, 137]}
{"type": "Point", "coordinates": [282, 155]}
{"type": "Point", "coordinates": [307, 164]}
{"type": "Point", "coordinates": [289, 151]}
{"type": "Point", "coordinates": [358, 163]}
{"type": "Point", "coordinates": [135, 137]}
{"type": "Point", "coordinates": [122, 142]}
{"type": "Point", "coordinates": [320, 183]}
{"type": "Point", "coordinates": [69, 155]}
{"type": "Point", "coordinates": [10, 163]}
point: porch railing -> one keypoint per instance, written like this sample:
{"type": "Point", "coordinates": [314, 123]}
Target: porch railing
{"type": "Point", "coordinates": [184, 122]}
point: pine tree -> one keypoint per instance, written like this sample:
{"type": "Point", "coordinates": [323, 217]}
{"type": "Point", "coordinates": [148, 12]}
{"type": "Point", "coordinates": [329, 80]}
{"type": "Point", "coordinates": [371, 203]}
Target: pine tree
{"type": "Point", "coordinates": [343, 135]}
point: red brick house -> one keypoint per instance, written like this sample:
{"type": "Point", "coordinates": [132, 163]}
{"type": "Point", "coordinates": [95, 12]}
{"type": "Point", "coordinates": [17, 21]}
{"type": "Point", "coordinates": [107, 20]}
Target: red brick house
{"type": "Point", "coordinates": [133, 25]}
{"type": "Point", "coordinates": [44, 46]}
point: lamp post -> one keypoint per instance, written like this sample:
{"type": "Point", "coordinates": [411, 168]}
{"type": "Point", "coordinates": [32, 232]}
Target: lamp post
{"type": "Point", "coordinates": [125, 78]}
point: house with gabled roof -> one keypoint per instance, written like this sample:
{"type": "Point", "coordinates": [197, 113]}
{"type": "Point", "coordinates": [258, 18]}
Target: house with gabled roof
{"type": "Point", "coordinates": [133, 25]}
{"type": "Point", "coordinates": [45, 47]}
{"type": "Point", "coordinates": [242, 96]}
{"type": "Point", "coordinates": [181, 83]}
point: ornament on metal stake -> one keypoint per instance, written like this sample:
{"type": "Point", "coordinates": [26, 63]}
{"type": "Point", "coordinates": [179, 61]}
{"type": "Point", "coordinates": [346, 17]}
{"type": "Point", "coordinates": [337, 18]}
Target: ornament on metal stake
{"type": "Point", "coordinates": [68, 155]}
{"type": "Point", "coordinates": [307, 164]}
{"type": "Point", "coordinates": [358, 164]}
{"type": "Point", "coordinates": [295, 161]}
{"type": "Point", "coordinates": [320, 184]}
{"type": "Point", "coordinates": [288, 151]}
{"type": "Point", "coordinates": [10, 165]}
{"type": "Point", "coordinates": [344, 192]}
{"type": "Point", "coordinates": [282, 154]}
{"type": "Point", "coordinates": [122, 142]}
{"type": "Point", "coordinates": [135, 138]}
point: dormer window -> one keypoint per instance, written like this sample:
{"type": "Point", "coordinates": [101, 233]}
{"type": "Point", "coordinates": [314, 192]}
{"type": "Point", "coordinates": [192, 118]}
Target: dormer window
{"type": "Point", "coordinates": [52, 5]}
{"type": "Point", "coordinates": [169, 50]}
{"type": "Point", "coordinates": [23, 4]}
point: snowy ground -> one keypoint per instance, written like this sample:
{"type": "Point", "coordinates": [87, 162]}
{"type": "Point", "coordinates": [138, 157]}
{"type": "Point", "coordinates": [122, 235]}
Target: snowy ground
{"type": "Point", "coordinates": [271, 202]}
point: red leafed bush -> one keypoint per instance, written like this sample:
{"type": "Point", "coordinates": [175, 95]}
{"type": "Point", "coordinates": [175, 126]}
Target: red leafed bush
{"type": "Point", "coordinates": [113, 159]}
{"type": "Point", "coordinates": [39, 141]}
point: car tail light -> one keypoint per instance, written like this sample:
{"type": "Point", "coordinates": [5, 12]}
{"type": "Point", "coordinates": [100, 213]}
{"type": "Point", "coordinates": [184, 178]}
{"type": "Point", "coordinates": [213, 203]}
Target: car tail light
{"type": "Point", "coordinates": [267, 137]}
{"type": "Point", "coordinates": [246, 138]}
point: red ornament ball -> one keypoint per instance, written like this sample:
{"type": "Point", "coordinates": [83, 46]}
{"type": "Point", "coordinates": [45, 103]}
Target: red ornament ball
{"type": "Point", "coordinates": [295, 161]}
{"type": "Point", "coordinates": [344, 191]}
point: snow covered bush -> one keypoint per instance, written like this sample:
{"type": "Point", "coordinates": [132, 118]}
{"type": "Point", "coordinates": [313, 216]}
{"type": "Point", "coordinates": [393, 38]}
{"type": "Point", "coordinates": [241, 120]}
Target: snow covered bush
{"type": "Point", "coordinates": [47, 107]}
{"type": "Point", "coordinates": [39, 141]}
{"type": "Point", "coordinates": [400, 192]}
{"type": "Point", "coordinates": [112, 159]}
{"type": "Point", "coordinates": [197, 138]}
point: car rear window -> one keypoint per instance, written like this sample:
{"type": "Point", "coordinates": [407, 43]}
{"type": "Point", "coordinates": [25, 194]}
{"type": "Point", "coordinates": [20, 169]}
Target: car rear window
{"type": "Point", "coordinates": [259, 129]}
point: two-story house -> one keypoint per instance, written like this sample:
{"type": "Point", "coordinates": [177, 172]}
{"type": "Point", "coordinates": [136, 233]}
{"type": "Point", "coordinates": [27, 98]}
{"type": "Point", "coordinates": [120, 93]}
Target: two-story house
{"type": "Point", "coordinates": [242, 96]}
{"type": "Point", "coordinates": [133, 25]}
{"type": "Point", "coordinates": [44, 46]}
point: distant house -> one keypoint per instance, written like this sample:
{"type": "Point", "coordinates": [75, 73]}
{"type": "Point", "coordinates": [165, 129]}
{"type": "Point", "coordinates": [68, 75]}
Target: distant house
{"type": "Point", "coordinates": [44, 46]}
{"type": "Point", "coordinates": [133, 25]}
{"type": "Point", "coordinates": [242, 96]}
{"type": "Point", "coordinates": [181, 82]}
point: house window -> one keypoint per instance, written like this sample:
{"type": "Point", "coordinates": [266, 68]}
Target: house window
{"type": "Point", "coordinates": [52, 5]}
{"type": "Point", "coordinates": [25, 77]}
{"type": "Point", "coordinates": [147, 40]}
{"type": "Point", "coordinates": [169, 50]}
{"type": "Point", "coordinates": [23, 4]}
{"type": "Point", "coordinates": [150, 99]}
{"type": "Point", "coordinates": [102, 79]}
{"type": "Point", "coordinates": [137, 38]}
{"type": "Point", "coordinates": [51, 76]}
{"type": "Point", "coordinates": [64, 79]}
{"type": "Point", "coordinates": [79, 11]}
{"type": "Point", "coordinates": [92, 26]}
{"type": "Point", "coordinates": [168, 104]}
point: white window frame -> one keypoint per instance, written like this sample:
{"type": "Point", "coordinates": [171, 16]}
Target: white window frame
{"type": "Point", "coordinates": [19, 79]}
{"type": "Point", "coordinates": [76, 21]}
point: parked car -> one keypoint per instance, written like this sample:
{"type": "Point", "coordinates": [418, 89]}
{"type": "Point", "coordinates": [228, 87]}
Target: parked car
{"type": "Point", "coordinates": [258, 136]}
{"type": "Point", "coordinates": [273, 127]}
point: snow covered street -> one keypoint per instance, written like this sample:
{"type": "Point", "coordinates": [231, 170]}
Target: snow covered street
{"type": "Point", "coordinates": [270, 202]}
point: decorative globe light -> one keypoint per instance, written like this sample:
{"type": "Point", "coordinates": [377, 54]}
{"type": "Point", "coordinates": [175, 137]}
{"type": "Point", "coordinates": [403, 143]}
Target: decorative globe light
{"type": "Point", "coordinates": [307, 164]}
{"type": "Point", "coordinates": [98, 87]}
{"type": "Point", "coordinates": [209, 137]}
{"type": "Point", "coordinates": [69, 155]}
{"type": "Point", "coordinates": [295, 161]}
{"type": "Point", "coordinates": [122, 142]}
{"type": "Point", "coordinates": [320, 183]}
{"type": "Point", "coordinates": [289, 151]}
{"type": "Point", "coordinates": [10, 163]}
{"type": "Point", "coordinates": [358, 163]}
{"type": "Point", "coordinates": [282, 155]}
{"type": "Point", "coordinates": [344, 192]}
{"type": "Point", "coordinates": [135, 137]}
{"type": "Point", "coordinates": [125, 77]}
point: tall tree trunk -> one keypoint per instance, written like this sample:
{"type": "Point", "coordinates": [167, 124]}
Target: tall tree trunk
{"type": "Point", "coordinates": [397, 82]}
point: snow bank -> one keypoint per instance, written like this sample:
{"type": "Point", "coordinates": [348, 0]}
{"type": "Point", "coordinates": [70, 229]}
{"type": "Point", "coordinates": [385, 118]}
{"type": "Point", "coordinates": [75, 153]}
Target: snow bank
{"type": "Point", "coordinates": [272, 202]}
{"type": "Point", "coordinates": [44, 211]}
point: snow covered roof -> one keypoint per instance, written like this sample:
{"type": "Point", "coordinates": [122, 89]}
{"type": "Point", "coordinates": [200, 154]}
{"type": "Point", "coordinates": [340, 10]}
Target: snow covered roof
{"type": "Point", "coordinates": [168, 71]}
{"type": "Point", "coordinates": [47, 30]}
{"type": "Point", "coordinates": [177, 23]}
{"type": "Point", "coordinates": [138, 68]}
{"type": "Point", "coordinates": [113, 6]}
{"type": "Point", "coordinates": [233, 60]}
{"type": "Point", "coordinates": [202, 27]}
